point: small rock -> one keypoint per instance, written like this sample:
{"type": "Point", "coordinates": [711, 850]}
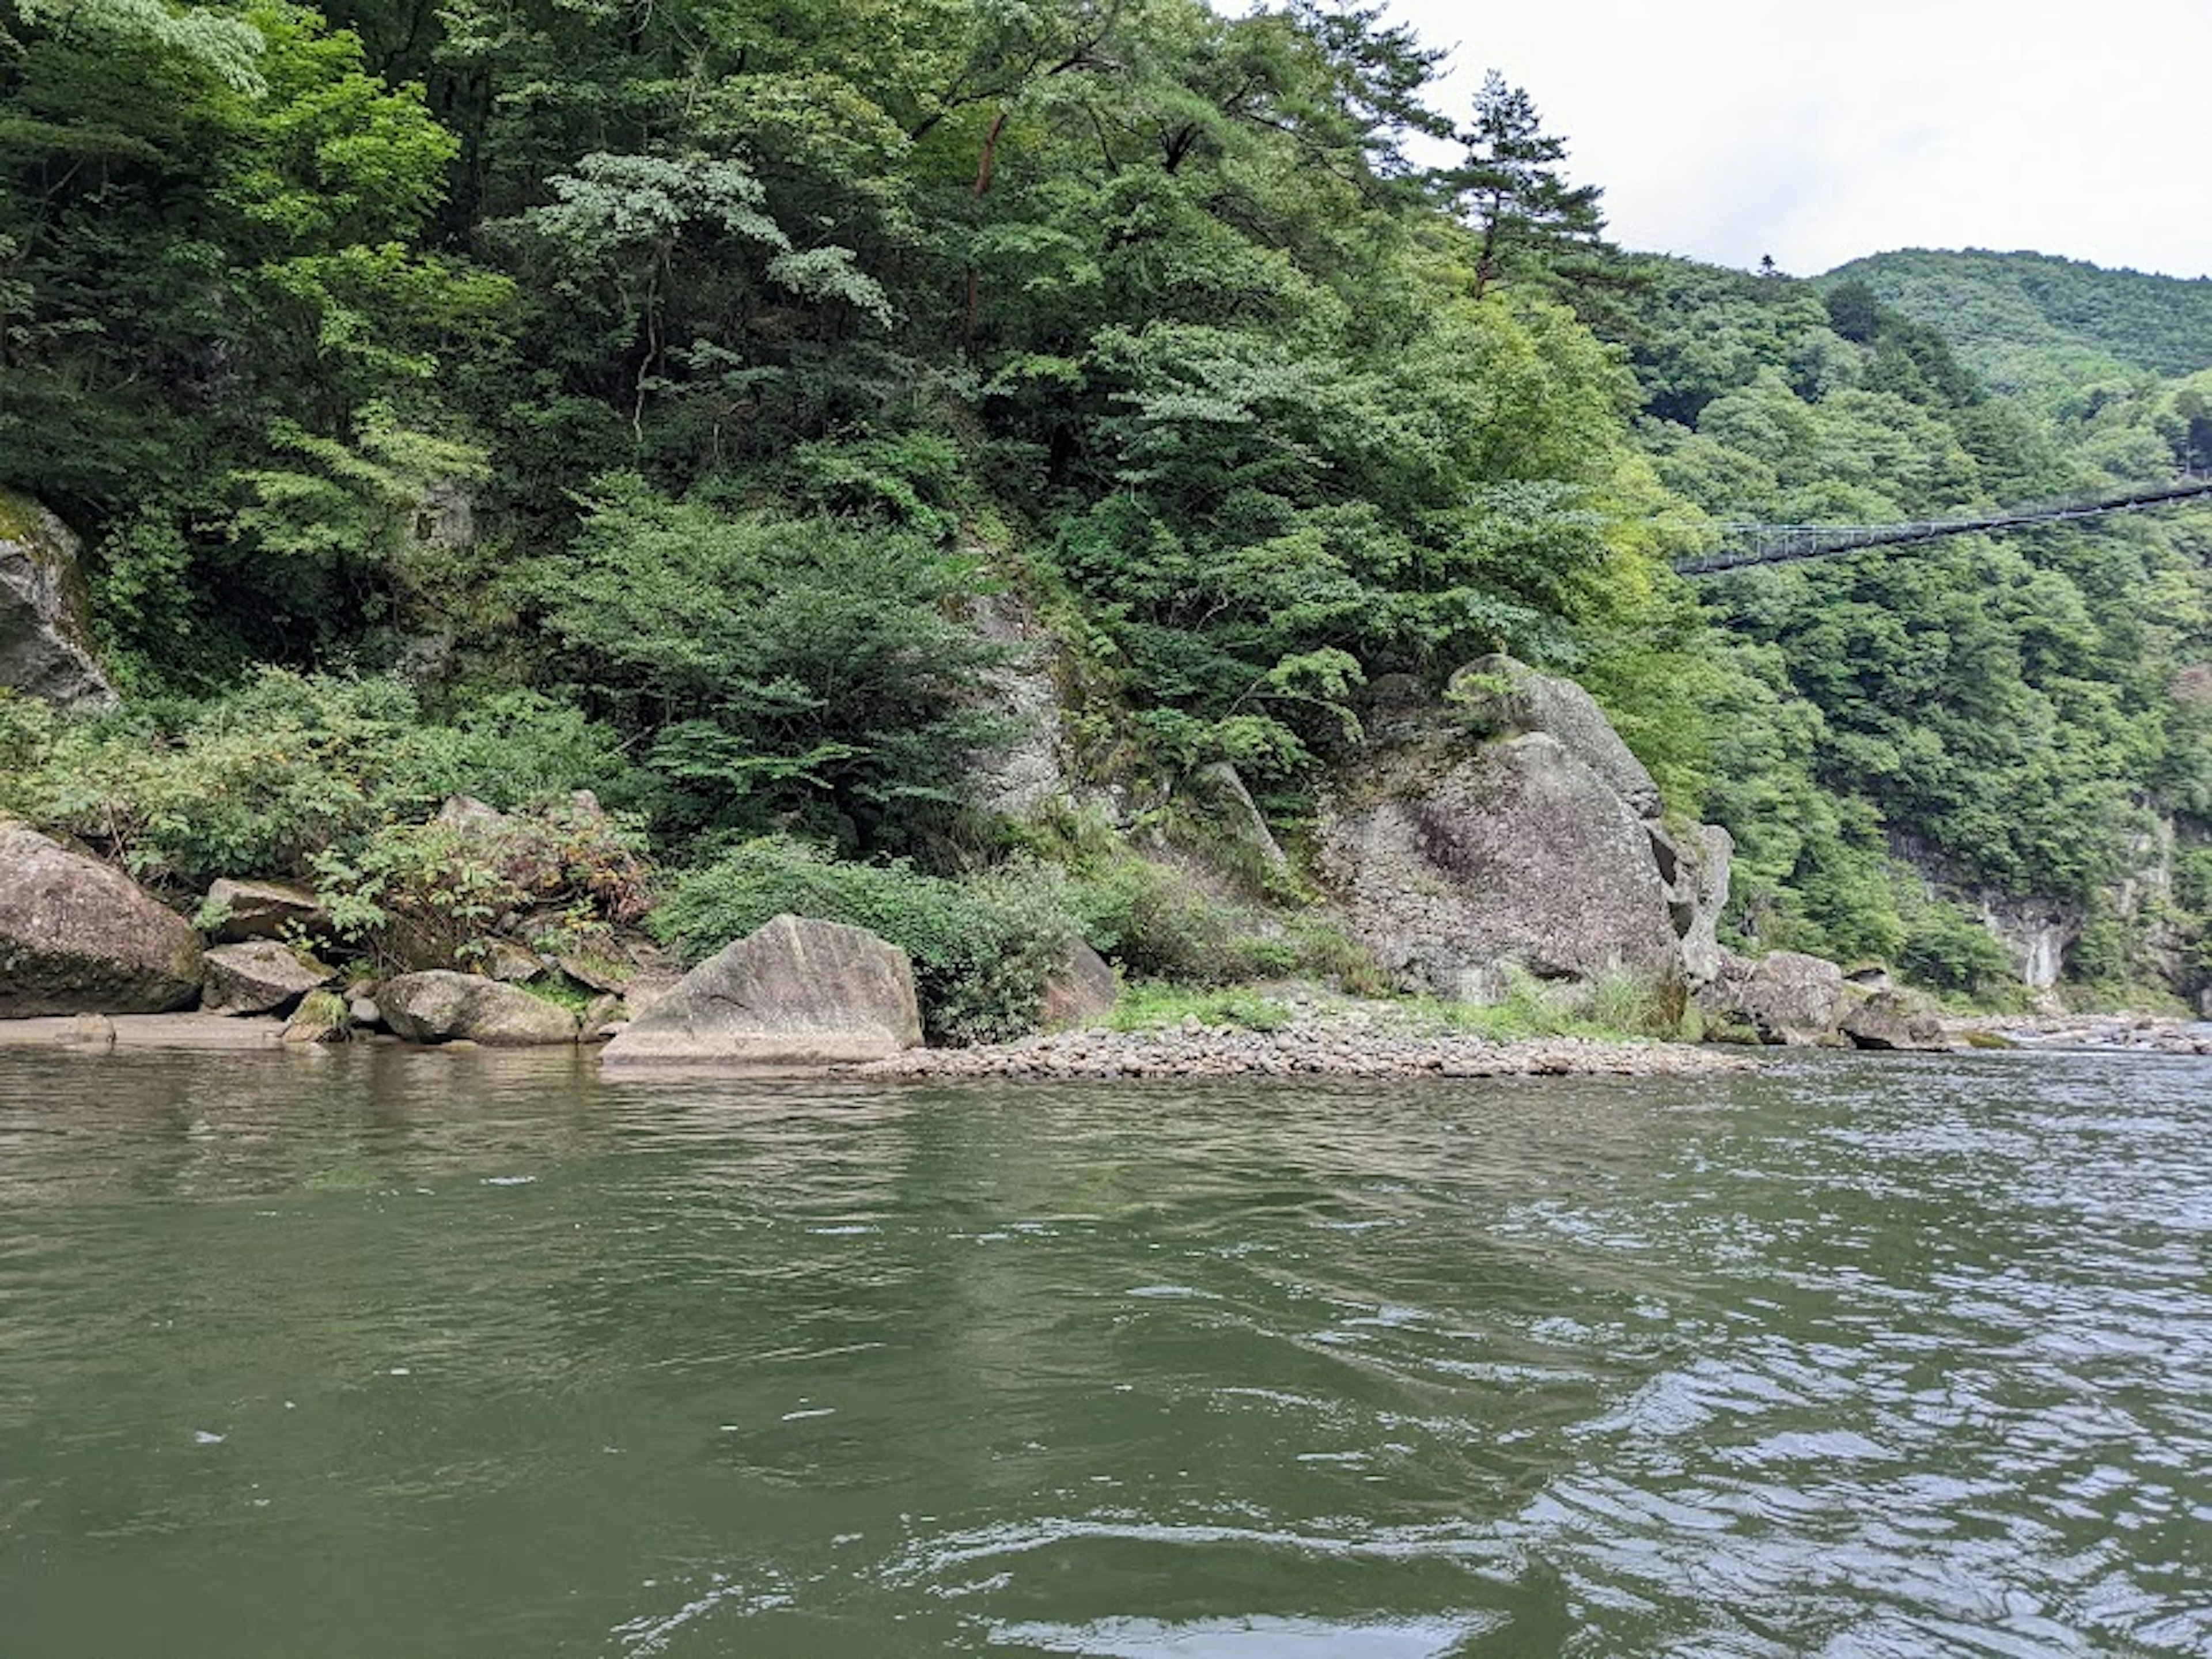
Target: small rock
{"type": "Point", "coordinates": [264, 909]}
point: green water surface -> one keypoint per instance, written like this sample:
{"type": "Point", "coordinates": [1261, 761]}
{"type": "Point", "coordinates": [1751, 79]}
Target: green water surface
{"type": "Point", "coordinates": [403, 1355]}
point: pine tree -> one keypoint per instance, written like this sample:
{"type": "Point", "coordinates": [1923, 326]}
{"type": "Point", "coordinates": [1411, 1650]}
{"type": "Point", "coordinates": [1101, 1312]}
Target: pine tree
{"type": "Point", "coordinates": [1509, 190]}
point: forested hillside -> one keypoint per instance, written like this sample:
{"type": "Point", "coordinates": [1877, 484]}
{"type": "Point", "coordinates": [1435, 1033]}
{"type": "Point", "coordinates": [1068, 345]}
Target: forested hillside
{"type": "Point", "coordinates": [517, 398]}
{"type": "Point", "coordinates": [2028, 321]}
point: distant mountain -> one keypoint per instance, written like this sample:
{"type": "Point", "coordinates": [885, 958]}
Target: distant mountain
{"type": "Point", "coordinates": [2031, 322]}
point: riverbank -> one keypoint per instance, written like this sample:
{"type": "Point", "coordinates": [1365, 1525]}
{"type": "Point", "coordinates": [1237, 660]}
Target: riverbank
{"type": "Point", "coordinates": [1306, 1048]}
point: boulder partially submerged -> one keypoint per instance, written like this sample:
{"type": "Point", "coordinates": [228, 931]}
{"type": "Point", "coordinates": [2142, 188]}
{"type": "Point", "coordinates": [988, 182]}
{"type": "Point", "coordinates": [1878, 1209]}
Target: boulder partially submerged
{"type": "Point", "coordinates": [796, 992]}
{"type": "Point", "coordinates": [1785, 997]}
{"type": "Point", "coordinates": [77, 937]}
{"type": "Point", "coordinates": [443, 1007]}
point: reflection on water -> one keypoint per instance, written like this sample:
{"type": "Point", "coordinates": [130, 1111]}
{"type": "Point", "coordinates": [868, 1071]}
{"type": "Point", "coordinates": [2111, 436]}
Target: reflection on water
{"type": "Point", "coordinates": [420, 1354]}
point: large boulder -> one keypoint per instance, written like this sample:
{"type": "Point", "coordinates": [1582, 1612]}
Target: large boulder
{"type": "Point", "coordinates": [79, 938]}
{"type": "Point", "coordinates": [1503, 697]}
{"type": "Point", "coordinates": [263, 910]}
{"type": "Point", "coordinates": [796, 992]}
{"type": "Point", "coordinates": [443, 1007]}
{"type": "Point", "coordinates": [1452, 858]}
{"type": "Point", "coordinates": [45, 647]}
{"type": "Point", "coordinates": [1783, 997]}
{"type": "Point", "coordinates": [259, 977]}
{"type": "Point", "coordinates": [1888, 1018]}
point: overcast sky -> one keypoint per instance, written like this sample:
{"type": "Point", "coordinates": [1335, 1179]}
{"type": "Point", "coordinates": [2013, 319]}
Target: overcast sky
{"type": "Point", "coordinates": [1817, 130]}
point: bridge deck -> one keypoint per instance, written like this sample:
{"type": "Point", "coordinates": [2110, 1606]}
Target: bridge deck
{"type": "Point", "coordinates": [1787, 543]}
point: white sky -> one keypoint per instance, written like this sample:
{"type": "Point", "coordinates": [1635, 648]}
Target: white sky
{"type": "Point", "coordinates": [1817, 130]}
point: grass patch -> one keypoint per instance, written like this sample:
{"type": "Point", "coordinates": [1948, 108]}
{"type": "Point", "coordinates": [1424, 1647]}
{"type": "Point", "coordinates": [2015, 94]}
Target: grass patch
{"type": "Point", "coordinates": [1151, 1006]}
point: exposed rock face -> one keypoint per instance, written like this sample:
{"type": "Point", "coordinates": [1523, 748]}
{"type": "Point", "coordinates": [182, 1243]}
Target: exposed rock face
{"type": "Point", "coordinates": [1511, 826]}
{"type": "Point", "coordinates": [1505, 698]}
{"type": "Point", "coordinates": [79, 938]}
{"type": "Point", "coordinates": [1025, 775]}
{"type": "Point", "coordinates": [1696, 870]}
{"type": "Point", "coordinates": [264, 909]}
{"type": "Point", "coordinates": [260, 977]}
{"type": "Point", "coordinates": [2039, 932]}
{"type": "Point", "coordinates": [440, 1006]}
{"type": "Point", "coordinates": [1781, 998]}
{"type": "Point", "coordinates": [1890, 1019]}
{"type": "Point", "coordinates": [1082, 993]}
{"type": "Point", "coordinates": [796, 992]}
{"type": "Point", "coordinates": [46, 648]}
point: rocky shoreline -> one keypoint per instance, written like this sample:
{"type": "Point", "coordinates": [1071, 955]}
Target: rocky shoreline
{"type": "Point", "coordinates": [1307, 1049]}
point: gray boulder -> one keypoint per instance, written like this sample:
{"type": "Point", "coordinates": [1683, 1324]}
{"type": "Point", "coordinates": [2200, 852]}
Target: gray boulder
{"type": "Point", "coordinates": [264, 909]}
{"type": "Point", "coordinates": [1450, 859]}
{"type": "Point", "coordinates": [45, 646]}
{"type": "Point", "coordinates": [1503, 697]}
{"type": "Point", "coordinates": [1783, 997]}
{"type": "Point", "coordinates": [443, 1007]}
{"type": "Point", "coordinates": [1083, 993]}
{"type": "Point", "coordinates": [796, 992]}
{"type": "Point", "coordinates": [79, 938]}
{"type": "Point", "coordinates": [1888, 1018]}
{"type": "Point", "coordinates": [259, 977]}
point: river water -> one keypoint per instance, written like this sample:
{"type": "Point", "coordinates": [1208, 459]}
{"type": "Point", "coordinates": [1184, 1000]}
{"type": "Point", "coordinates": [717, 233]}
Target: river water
{"type": "Point", "coordinates": [403, 1355]}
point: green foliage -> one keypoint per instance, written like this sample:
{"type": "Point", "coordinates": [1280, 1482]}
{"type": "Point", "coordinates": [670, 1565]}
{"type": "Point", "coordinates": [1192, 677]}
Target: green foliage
{"type": "Point", "coordinates": [1154, 1005]}
{"type": "Point", "coordinates": [2031, 322]}
{"type": "Point", "coordinates": [776, 666]}
{"type": "Point", "coordinates": [1508, 186]}
{"type": "Point", "coordinates": [288, 769]}
{"type": "Point", "coordinates": [432, 895]}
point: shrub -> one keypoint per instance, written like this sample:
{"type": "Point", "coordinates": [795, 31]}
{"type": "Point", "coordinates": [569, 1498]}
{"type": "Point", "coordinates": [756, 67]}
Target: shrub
{"type": "Point", "coordinates": [268, 779]}
{"type": "Point", "coordinates": [982, 947]}
{"type": "Point", "coordinates": [780, 667]}
{"type": "Point", "coordinates": [435, 894]}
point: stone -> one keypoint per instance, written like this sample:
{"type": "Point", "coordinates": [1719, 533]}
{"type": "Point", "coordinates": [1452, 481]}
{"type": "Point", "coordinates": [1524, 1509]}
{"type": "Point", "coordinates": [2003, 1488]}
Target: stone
{"type": "Point", "coordinates": [1888, 1018]}
{"type": "Point", "coordinates": [602, 1018]}
{"type": "Point", "coordinates": [1784, 997]}
{"type": "Point", "coordinates": [1503, 697]}
{"type": "Point", "coordinates": [264, 909]}
{"type": "Point", "coordinates": [259, 977]}
{"type": "Point", "coordinates": [363, 1012]}
{"type": "Point", "coordinates": [505, 960]}
{"type": "Point", "coordinates": [46, 644]}
{"type": "Point", "coordinates": [795, 993]}
{"type": "Point", "coordinates": [77, 937]}
{"type": "Point", "coordinates": [441, 1006]}
{"type": "Point", "coordinates": [1082, 993]}
{"type": "Point", "coordinates": [1450, 859]}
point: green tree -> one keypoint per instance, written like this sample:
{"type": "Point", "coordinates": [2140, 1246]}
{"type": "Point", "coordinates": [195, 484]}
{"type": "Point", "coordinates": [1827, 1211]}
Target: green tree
{"type": "Point", "coordinates": [1509, 188]}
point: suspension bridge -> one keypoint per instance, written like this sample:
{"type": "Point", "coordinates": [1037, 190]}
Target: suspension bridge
{"type": "Point", "coordinates": [1747, 545]}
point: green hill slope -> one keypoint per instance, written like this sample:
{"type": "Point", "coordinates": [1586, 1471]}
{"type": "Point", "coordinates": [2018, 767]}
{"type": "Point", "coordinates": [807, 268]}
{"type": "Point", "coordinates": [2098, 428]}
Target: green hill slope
{"type": "Point", "coordinates": [2028, 322]}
